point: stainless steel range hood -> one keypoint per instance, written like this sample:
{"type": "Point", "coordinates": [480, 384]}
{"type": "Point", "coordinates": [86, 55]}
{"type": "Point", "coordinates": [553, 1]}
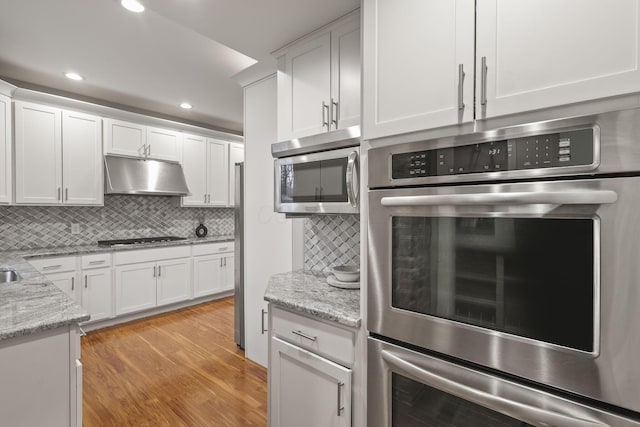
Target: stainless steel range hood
{"type": "Point", "coordinates": [125, 175]}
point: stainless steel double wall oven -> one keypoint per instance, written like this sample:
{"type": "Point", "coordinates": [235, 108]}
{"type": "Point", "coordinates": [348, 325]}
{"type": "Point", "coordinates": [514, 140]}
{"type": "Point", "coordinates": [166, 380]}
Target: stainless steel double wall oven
{"type": "Point", "coordinates": [504, 277]}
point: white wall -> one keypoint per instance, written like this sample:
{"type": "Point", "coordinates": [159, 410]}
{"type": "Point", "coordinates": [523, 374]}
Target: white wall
{"type": "Point", "coordinates": [267, 235]}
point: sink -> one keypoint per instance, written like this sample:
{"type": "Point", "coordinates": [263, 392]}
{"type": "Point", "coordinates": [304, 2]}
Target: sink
{"type": "Point", "coordinates": [7, 276]}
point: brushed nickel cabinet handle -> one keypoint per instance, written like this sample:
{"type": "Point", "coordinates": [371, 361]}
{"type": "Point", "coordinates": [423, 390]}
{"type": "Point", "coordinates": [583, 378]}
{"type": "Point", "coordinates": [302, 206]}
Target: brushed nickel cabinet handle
{"type": "Point", "coordinates": [59, 194]}
{"type": "Point", "coordinates": [159, 271]}
{"type": "Point", "coordinates": [460, 86]}
{"type": "Point", "coordinates": [303, 335]}
{"type": "Point", "coordinates": [85, 281]}
{"type": "Point", "coordinates": [73, 280]}
{"type": "Point", "coordinates": [334, 113]}
{"type": "Point", "coordinates": [340, 407]}
{"type": "Point", "coordinates": [66, 194]}
{"type": "Point", "coordinates": [154, 271]}
{"type": "Point", "coordinates": [483, 83]}
{"type": "Point", "coordinates": [96, 262]}
{"type": "Point", "coordinates": [262, 329]}
{"type": "Point", "coordinates": [50, 267]}
{"type": "Point", "coordinates": [325, 115]}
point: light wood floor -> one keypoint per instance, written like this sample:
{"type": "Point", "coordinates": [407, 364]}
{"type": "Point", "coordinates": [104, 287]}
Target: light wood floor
{"type": "Point", "coordinates": [177, 369]}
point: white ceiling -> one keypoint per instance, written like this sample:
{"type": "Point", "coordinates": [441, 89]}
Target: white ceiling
{"type": "Point", "coordinates": [175, 51]}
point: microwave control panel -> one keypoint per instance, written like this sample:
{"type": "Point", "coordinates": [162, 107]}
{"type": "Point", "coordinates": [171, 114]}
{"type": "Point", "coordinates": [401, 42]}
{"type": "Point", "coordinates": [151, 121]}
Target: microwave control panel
{"type": "Point", "coordinates": [552, 150]}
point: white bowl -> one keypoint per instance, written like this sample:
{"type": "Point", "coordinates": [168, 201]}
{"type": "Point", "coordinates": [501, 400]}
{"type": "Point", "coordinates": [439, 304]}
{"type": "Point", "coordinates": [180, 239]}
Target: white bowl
{"type": "Point", "coordinates": [347, 273]}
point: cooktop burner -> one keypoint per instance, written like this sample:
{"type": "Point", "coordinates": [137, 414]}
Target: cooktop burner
{"type": "Point", "coordinates": [139, 240]}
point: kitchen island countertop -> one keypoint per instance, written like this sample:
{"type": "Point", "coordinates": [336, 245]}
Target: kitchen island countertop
{"type": "Point", "coordinates": [35, 304]}
{"type": "Point", "coordinates": [308, 292]}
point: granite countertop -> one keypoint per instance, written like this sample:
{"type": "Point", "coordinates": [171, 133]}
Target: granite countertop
{"type": "Point", "coordinates": [34, 304]}
{"type": "Point", "coordinates": [308, 292]}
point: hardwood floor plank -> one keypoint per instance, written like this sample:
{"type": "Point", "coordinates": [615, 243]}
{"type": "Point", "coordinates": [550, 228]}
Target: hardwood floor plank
{"type": "Point", "coordinates": [176, 369]}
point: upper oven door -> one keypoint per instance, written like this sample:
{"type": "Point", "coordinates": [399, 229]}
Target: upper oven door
{"type": "Point", "coordinates": [535, 279]}
{"type": "Point", "coordinates": [407, 388]}
{"type": "Point", "coordinates": [325, 182]}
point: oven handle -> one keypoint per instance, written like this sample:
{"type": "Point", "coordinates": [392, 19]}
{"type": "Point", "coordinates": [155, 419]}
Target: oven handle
{"type": "Point", "coordinates": [577, 197]}
{"type": "Point", "coordinates": [493, 402]}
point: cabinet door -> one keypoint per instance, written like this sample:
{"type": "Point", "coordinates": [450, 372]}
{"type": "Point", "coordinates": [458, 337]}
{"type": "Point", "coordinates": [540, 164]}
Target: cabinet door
{"type": "Point", "coordinates": [412, 50]}
{"type": "Point", "coordinates": [67, 282]}
{"type": "Point", "coordinates": [218, 173]}
{"type": "Point", "coordinates": [174, 280]}
{"type": "Point", "coordinates": [5, 150]}
{"type": "Point", "coordinates": [194, 164]}
{"type": "Point", "coordinates": [345, 74]}
{"type": "Point", "coordinates": [228, 272]}
{"type": "Point", "coordinates": [207, 274]}
{"type": "Point", "coordinates": [135, 287]}
{"type": "Point", "coordinates": [128, 139]}
{"type": "Point", "coordinates": [38, 145]}
{"type": "Point", "coordinates": [304, 87]}
{"type": "Point", "coordinates": [82, 159]}
{"type": "Point", "coordinates": [236, 155]}
{"type": "Point", "coordinates": [306, 389]}
{"type": "Point", "coordinates": [164, 144]}
{"type": "Point", "coordinates": [97, 297]}
{"type": "Point", "coordinates": [545, 53]}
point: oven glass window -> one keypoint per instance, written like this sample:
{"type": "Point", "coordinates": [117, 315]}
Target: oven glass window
{"type": "Point", "coordinates": [417, 405]}
{"type": "Point", "coordinates": [525, 276]}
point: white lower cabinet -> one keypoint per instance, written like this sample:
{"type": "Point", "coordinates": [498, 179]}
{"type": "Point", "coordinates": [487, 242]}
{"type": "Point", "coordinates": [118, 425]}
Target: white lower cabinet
{"type": "Point", "coordinates": [96, 293]}
{"type": "Point", "coordinates": [67, 283]}
{"type": "Point", "coordinates": [42, 374]}
{"type": "Point", "coordinates": [213, 268]}
{"type": "Point", "coordinates": [151, 277]}
{"type": "Point", "coordinates": [174, 281]}
{"type": "Point", "coordinates": [306, 388]}
{"type": "Point", "coordinates": [135, 287]}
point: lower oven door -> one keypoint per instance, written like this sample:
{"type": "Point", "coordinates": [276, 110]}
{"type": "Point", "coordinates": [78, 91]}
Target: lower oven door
{"type": "Point", "coordinates": [536, 279]}
{"type": "Point", "coordinates": [407, 388]}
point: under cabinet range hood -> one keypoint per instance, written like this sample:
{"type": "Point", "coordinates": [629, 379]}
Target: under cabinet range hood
{"type": "Point", "coordinates": [126, 175]}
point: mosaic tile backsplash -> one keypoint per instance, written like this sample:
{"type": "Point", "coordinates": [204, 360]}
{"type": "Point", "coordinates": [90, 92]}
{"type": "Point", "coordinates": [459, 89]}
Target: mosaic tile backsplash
{"type": "Point", "coordinates": [331, 240]}
{"type": "Point", "coordinates": [30, 227]}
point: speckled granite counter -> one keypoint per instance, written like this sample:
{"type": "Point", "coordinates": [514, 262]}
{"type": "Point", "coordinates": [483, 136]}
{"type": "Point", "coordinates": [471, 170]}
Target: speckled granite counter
{"type": "Point", "coordinates": [308, 292]}
{"type": "Point", "coordinates": [34, 304]}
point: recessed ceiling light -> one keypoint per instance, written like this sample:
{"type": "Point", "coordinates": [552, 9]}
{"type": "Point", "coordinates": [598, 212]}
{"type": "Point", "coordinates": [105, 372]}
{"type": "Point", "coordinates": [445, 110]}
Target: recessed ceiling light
{"type": "Point", "coordinates": [186, 106]}
{"type": "Point", "coordinates": [132, 5]}
{"type": "Point", "coordinates": [73, 76]}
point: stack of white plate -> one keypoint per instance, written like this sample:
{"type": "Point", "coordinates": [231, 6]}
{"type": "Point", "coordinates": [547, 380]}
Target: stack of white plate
{"type": "Point", "coordinates": [345, 277]}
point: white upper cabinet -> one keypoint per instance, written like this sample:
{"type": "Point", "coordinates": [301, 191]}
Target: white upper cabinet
{"type": "Point", "coordinates": [543, 53]}
{"type": "Point", "coordinates": [419, 56]}
{"type": "Point", "coordinates": [5, 149]}
{"type": "Point", "coordinates": [82, 159]}
{"type": "Point", "coordinates": [206, 164]}
{"type": "Point", "coordinates": [164, 144]}
{"type": "Point", "coordinates": [418, 61]}
{"type": "Point", "coordinates": [125, 138]}
{"type": "Point", "coordinates": [319, 81]}
{"type": "Point", "coordinates": [132, 139]}
{"type": "Point", "coordinates": [218, 172]}
{"type": "Point", "coordinates": [58, 161]}
{"type": "Point", "coordinates": [236, 155]}
{"type": "Point", "coordinates": [38, 145]}
{"type": "Point", "coordinates": [194, 164]}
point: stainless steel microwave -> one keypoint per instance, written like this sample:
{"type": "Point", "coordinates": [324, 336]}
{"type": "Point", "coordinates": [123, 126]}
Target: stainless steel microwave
{"type": "Point", "coordinates": [318, 183]}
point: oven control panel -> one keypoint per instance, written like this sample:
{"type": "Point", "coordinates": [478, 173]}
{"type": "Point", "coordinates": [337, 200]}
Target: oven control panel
{"type": "Point", "coordinates": [561, 149]}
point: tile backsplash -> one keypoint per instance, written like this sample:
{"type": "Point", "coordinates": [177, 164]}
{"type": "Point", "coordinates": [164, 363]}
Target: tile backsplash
{"type": "Point", "coordinates": [29, 227]}
{"type": "Point", "coordinates": [331, 240]}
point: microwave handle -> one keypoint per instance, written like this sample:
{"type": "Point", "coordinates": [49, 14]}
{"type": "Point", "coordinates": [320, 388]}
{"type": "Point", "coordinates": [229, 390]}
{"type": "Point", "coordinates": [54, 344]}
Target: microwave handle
{"type": "Point", "coordinates": [577, 197]}
{"type": "Point", "coordinates": [515, 409]}
{"type": "Point", "coordinates": [352, 170]}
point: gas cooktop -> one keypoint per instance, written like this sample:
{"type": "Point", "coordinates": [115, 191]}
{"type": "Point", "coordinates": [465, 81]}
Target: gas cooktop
{"type": "Point", "coordinates": [139, 240]}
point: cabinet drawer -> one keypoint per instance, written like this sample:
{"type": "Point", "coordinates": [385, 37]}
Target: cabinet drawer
{"type": "Point", "coordinates": [149, 255]}
{"type": "Point", "coordinates": [333, 342]}
{"type": "Point", "coordinates": [213, 248]}
{"type": "Point", "coordinates": [54, 265]}
{"type": "Point", "coordinates": [96, 260]}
